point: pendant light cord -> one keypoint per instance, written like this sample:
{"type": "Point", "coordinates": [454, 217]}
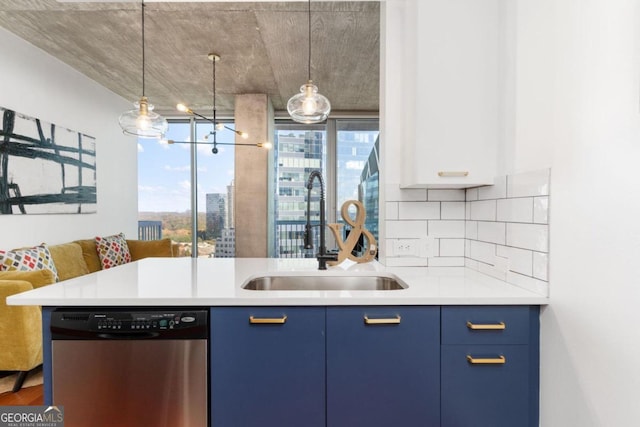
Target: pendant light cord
{"type": "Point", "coordinates": [215, 133]}
{"type": "Point", "coordinates": [309, 62]}
{"type": "Point", "coordinates": [214, 91]}
{"type": "Point", "coordinates": [142, 9]}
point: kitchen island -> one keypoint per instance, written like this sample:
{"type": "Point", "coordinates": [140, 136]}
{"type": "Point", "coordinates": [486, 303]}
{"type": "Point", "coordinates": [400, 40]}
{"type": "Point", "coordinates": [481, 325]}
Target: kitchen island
{"type": "Point", "coordinates": [455, 347]}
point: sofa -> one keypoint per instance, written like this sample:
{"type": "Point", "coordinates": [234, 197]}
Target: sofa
{"type": "Point", "coordinates": [21, 326]}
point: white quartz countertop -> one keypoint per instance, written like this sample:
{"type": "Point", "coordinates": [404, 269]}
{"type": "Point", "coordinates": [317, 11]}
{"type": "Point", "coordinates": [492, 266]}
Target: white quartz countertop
{"type": "Point", "coordinates": [218, 282]}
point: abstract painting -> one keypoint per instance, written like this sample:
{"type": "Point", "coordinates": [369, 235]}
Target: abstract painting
{"type": "Point", "coordinates": [44, 168]}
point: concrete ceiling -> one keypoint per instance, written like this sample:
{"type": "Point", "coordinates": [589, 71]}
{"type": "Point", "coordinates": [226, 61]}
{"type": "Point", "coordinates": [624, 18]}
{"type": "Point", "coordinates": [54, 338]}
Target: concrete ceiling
{"type": "Point", "coordinates": [263, 48]}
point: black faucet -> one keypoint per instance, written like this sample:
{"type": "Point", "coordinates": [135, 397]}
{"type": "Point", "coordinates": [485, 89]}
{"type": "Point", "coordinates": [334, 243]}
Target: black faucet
{"type": "Point", "coordinates": [322, 254]}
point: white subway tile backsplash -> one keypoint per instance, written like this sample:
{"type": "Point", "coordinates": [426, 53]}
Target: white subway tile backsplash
{"type": "Point", "coordinates": [389, 246]}
{"type": "Point", "coordinates": [501, 230]}
{"type": "Point", "coordinates": [451, 247]}
{"type": "Point", "coordinates": [472, 264]}
{"type": "Point", "coordinates": [391, 210]}
{"type": "Point", "coordinates": [515, 210]}
{"type": "Point", "coordinates": [541, 210]}
{"type": "Point", "coordinates": [471, 230]}
{"type": "Point", "coordinates": [446, 262]}
{"type": "Point", "coordinates": [438, 195]}
{"type": "Point", "coordinates": [534, 183]}
{"type": "Point", "coordinates": [452, 210]}
{"type": "Point", "coordinates": [528, 236]}
{"type": "Point", "coordinates": [418, 210]}
{"type": "Point", "coordinates": [393, 193]}
{"type": "Point", "coordinates": [435, 248]}
{"type": "Point", "coordinates": [492, 271]}
{"type": "Point", "coordinates": [493, 232]}
{"type": "Point", "coordinates": [496, 191]}
{"type": "Point", "coordinates": [481, 251]}
{"type": "Point", "coordinates": [520, 260]}
{"type": "Point", "coordinates": [541, 266]}
{"type": "Point", "coordinates": [450, 228]}
{"type": "Point", "coordinates": [406, 229]}
{"type": "Point", "coordinates": [407, 262]}
{"type": "Point", "coordinates": [539, 287]}
{"type": "Point", "coordinates": [484, 210]}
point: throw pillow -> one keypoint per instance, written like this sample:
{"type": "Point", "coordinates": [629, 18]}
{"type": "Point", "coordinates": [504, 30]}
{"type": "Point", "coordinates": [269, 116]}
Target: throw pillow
{"type": "Point", "coordinates": [28, 259]}
{"type": "Point", "coordinates": [149, 248]}
{"type": "Point", "coordinates": [90, 254]}
{"type": "Point", "coordinates": [37, 278]}
{"type": "Point", "coordinates": [112, 250]}
{"type": "Point", "coordinates": [69, 260]}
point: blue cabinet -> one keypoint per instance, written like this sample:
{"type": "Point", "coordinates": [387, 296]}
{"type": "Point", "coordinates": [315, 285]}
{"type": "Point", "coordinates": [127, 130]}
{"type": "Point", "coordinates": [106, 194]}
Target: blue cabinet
{"type": "Point", "coordinates": [490, 359]}
{"type": "Point", "coordinates": [423, 366]}
{"type": "Point", "coordinates": [383, 366]}
{"type": "Point", "coordinates": [268, 366]}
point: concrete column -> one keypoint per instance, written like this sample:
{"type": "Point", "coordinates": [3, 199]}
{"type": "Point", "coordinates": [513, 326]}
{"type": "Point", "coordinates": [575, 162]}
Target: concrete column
{"type": "Point", "coordinates": [254, 115]}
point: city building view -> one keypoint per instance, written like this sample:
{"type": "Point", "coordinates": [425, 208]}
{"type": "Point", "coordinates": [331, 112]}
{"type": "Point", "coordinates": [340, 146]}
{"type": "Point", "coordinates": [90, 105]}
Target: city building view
{"type": "Point", "coordinates": [299, 150]}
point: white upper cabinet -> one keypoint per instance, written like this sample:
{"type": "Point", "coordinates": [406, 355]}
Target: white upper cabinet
{"type": "Point", "coordinates": [452, 91]}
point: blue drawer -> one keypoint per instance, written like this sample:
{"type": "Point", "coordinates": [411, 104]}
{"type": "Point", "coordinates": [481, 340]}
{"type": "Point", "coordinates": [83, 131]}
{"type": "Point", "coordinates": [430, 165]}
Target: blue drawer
{"type": "Point", "coordinates": [495, 389]}
{"type": "Point", "coordinates": [487, 324]}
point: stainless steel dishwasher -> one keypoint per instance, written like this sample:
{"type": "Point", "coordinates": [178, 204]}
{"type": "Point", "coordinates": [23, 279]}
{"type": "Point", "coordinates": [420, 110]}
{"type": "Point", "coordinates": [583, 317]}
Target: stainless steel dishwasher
{"type": "Point", "coordinates": [140, 367]}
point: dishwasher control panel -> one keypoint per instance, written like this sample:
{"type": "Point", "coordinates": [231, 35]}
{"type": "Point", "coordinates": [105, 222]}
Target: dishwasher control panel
{"type": "Point", "coordinates": [156, 321]}
{"type": "Point", "coordinates": [142, 321]}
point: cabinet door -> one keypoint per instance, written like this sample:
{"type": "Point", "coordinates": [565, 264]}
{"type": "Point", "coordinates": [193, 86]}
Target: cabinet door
{"type": "Point", "coordinates": [494, 392]}
{"type": "Point", "coordinates": [383, 374]}
{"type": "Point", "coordinates": [453, 98]}
{"type": "Point", "coordinates": [490, 371]}
{"type": "Point", "coordinates": [268, 373]}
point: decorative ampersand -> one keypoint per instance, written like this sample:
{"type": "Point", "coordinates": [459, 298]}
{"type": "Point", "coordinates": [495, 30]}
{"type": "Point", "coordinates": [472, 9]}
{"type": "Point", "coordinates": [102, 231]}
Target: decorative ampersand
{"type": "Point", "coordinates": [357, 230]}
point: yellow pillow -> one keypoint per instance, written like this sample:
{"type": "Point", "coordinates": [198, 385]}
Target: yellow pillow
{"type": "Point", "coordinates": [140, 249]}
{"type": "Point", "coordinates": [37, 278]}
{"type": "Point", "coordinates": [90, 254]}
{"type": "Point", "coordinates": [69, 260]}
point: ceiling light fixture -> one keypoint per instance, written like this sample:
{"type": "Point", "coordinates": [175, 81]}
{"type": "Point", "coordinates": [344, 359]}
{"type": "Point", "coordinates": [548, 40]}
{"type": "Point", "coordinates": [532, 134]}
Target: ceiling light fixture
{"type": "Point", "coordinates": [214, 150]}
{"type": "Point", "coordinates": [309, 106]}
{"type": "Point", "coordinates": [142, 121]}
{"type": "Point", "coordinates": [217, 125]}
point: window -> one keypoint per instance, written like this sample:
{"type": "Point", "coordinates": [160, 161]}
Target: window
{"type": "Point", "coordinates": [165, 188]}
{"type": "Point", "coordinates": [346, 153]}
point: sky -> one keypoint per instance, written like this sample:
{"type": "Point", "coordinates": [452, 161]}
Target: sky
{"type": "Point", "coordinates": [164, 170]}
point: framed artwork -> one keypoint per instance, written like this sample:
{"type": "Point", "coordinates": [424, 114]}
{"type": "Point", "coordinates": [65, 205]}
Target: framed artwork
{"type": "Point", "coordinates": [45, 168]}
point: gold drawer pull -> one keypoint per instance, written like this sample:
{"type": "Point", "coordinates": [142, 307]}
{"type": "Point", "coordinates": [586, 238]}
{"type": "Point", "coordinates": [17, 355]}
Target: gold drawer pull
{"type": "Point", "coordinates": [389, 321]}
{"type": "Point", "coordinates": [268, 320]}
{"type": "Point", "coordinates": [500, 360]}
{"type": "Point", "coordinates": [486, 327]}
{"type": "Point", "coordinates": [453, 173]}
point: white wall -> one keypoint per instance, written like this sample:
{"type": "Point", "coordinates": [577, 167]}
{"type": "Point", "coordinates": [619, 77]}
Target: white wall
{"type": "Point", "coordinates": [577, 109]}
{"type": "Point", "coordinates": [36, 84]}
{"type": "Point", "coordinates": [572, 104]}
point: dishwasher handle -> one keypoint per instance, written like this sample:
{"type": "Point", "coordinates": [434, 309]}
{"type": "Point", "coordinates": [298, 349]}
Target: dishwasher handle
{"type": "Point", "coordinates": [128, 335]}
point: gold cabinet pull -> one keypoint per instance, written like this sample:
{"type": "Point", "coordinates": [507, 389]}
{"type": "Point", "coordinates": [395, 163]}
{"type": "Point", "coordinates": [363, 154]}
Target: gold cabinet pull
{"type": "Point", "coordinates": [453, 173]}
{"type": "Point", "coordinates": [268, 320]}
{"type": "Point", "coordinates": [386, 321]}
{"type": "Point", "coordinates": [500, 360]}
{"type": "Point", "coordinates": [486, 327]}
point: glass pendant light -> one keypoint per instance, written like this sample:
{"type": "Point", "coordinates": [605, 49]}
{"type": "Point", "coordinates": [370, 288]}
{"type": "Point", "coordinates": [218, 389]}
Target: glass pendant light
{"type": "Point", "coordinates": [142, 121]}
{"type": "Point", "coordinates": [309, 106]}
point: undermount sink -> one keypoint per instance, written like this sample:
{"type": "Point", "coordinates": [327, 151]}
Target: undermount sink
{"type": "Point", "coordinates": [324, 283]}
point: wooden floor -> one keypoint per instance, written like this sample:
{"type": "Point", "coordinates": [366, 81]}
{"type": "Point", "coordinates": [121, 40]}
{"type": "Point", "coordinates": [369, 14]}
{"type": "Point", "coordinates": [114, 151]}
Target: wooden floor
{"type": "Point", "coordinates": [25, 397]}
